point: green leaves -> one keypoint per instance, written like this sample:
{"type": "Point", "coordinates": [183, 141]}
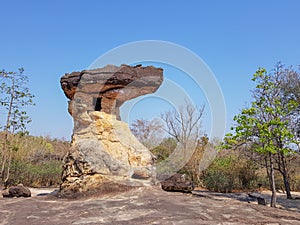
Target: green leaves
{"type": "Point", "coordinates": [266, 122]}
{"type": "Point", "coordinates": [14, 97]}
{"type": "Point", "coordinates": [259, 74]}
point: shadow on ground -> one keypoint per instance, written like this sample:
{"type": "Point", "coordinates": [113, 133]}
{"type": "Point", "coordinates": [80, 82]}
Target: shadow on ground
{"type": "Point", "coordinates": [282, 201]}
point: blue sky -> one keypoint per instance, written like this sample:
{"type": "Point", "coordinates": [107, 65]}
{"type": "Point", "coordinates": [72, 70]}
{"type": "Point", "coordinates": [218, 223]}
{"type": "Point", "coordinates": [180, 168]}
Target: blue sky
{"type": "Point", "coordinates": [234, 38]}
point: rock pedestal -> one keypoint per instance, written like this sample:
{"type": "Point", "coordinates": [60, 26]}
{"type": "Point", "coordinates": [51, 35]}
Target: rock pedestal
{"type": "Point", "coordinates": [104, 154]}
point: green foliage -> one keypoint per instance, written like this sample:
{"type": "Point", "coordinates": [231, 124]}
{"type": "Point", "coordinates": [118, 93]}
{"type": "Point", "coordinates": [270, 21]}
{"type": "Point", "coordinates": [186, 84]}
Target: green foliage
{"type": "Point", "coordinates": [36, 161]}
{"type": "Point", "coordinates": [228, 173]}
{"type": "Point", "coordinates": [266, 122]}
{"type": "Point", "coordinates": [14, 98]}
{"type": "Point", "coordinates": [219, 176]}
{"type": "Point", "coordinates": [266, 125]}
{"type": "Point", "coordinates": [163, 150]}
{"type": "Point", "coordinates": [35, 174]}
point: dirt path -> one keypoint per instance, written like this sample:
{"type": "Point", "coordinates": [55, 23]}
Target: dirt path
{"type": "Point", "coordinates": [140, 206]}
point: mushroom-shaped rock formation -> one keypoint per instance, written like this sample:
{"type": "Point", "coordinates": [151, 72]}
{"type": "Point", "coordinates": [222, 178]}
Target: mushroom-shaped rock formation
{"type": "Point", "coordinates": [104, 155]}
{"type": "Point", "coordinates": [106, 89]}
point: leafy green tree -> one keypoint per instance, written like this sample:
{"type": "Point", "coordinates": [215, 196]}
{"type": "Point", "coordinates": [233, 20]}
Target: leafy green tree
{"type": "Point", "coordinates": [15, 96]}
{"type": "Point", "coordinates": [265, 127]}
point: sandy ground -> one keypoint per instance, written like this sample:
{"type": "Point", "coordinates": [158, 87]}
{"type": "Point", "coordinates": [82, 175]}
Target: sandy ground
{"type": "Point", "coordinates": [147, 206]}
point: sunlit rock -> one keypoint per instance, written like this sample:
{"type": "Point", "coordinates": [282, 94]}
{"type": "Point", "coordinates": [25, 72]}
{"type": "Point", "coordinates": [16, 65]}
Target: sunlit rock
{"type": "Point", "coordinates": [104, 152]}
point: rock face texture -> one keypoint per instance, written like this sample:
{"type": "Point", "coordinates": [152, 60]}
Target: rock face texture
{"type": "Point", "coordinates": [148, 205]}
{"type": "Point", "coordinates": [104, 154]}
{"type": "Point", "coordinates": [106, 89]}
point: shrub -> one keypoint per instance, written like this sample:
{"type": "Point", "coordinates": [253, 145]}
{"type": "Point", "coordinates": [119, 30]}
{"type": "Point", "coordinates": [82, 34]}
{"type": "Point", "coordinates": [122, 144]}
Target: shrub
{"type": "Point", "coordinates": [36, 161]}
{"type": "Point", "coordinates": [228, 173]}
{"type": "Point", "coordinates": [219, 176]}
{"type": "Point", "coordinates": [35, 175]}
{"type": "Point", "coordinates": [163, 150]}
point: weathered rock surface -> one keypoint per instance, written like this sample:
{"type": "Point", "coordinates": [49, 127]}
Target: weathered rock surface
{"type": "Point", "coordinates": [104, 152]}
{"type": "Point", "coordinates": [177, 182]}
{"type": "Point", "coordinates": [144, 206]}
{"type": "Point", "coordinates": [106, 89]}
{"type": "Point", "coordinates": [17, 191]}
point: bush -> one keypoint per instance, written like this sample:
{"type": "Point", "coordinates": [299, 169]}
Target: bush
{"type": "Point", "coordinates": [219, 176]}
{"type": "Point", "coordinates": [295, 182]}
{"type": "Point", "coordinates": [35, 175]}
{"type": "Point", "coordinates": [36, 161]}
{"type": "Point", "coordinates": [163, 150]}
{"type": "Point", "coordinates": [228, 173]}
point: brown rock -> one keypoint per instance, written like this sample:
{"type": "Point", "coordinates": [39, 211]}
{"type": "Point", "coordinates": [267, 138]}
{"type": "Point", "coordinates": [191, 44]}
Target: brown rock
{"type": "Point", "coordinates": [260, 199]}
{"type": "Point", "coordinates": [178, 183]}
{"type": "Point", "coordinates": [106, 89]}
{"type": "Point", "coordinates": [17, 191]}
{"type": "Point", "coordinates": [103, 150]}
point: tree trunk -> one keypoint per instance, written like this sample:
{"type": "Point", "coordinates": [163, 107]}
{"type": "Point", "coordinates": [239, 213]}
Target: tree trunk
{"type": "Point", "coordinates": [270, 172]}
{"type": "Point", "coordinates": [8, 166]}
{"type": "Point", "coordinates": [4, 158]}
{"type": "Point", "coordinates": [282, 167]}
{"type": "Point", "coordinates": [272, 181]}
{"type": "Point", "coordinates": [287, 186]}
{"type": "Point", "coordinates": [285, 176]}
{"type": "Point", "coordinates": [6, 135]}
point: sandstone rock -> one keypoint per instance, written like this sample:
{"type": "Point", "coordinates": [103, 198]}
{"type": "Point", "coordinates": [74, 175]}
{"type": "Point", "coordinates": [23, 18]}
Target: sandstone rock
{"type": "Point", "coordinates": [177, 182]}
{"type": "Point", "coordinates": [103, 150]}
{"type": "Point", "coordinates": [106, 89]}
{"type": "Point", "coordinates": [17, 191]}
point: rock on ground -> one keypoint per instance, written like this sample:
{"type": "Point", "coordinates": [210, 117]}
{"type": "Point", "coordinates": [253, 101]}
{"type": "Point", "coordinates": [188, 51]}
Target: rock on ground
{"type": "Point", "coordinates": [17, 191]}
{"type": "Point", "coordinates": [177, 182]}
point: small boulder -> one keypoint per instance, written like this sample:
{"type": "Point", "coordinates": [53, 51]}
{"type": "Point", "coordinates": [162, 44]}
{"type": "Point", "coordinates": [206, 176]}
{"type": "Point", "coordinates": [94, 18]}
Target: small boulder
{"type": "Point", "coordinates": [260, 199]}
{"type": "Point", "coordinates": [179, 183]}
{"type": "Point", "coordinates": [17, 191]}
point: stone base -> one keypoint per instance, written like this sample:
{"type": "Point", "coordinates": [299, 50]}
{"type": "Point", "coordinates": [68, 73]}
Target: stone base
{"type": "Point", "coordinates": [96, 184]}
{"type": "Point", "coordinates": [105, 153]}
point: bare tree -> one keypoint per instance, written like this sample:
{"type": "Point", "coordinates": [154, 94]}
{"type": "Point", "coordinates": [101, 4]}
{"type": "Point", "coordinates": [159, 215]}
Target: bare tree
{"type": "Point", "coordinates": [184, 126]}
{"type": "Point", "coordinates": [290, 86]}
{"type": "Point", "coordinates": [148, 132]}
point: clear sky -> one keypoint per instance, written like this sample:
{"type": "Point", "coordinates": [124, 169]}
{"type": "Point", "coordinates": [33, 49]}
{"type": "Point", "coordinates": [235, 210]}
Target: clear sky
{"type": "Point", "coordinates": [234, 38]}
